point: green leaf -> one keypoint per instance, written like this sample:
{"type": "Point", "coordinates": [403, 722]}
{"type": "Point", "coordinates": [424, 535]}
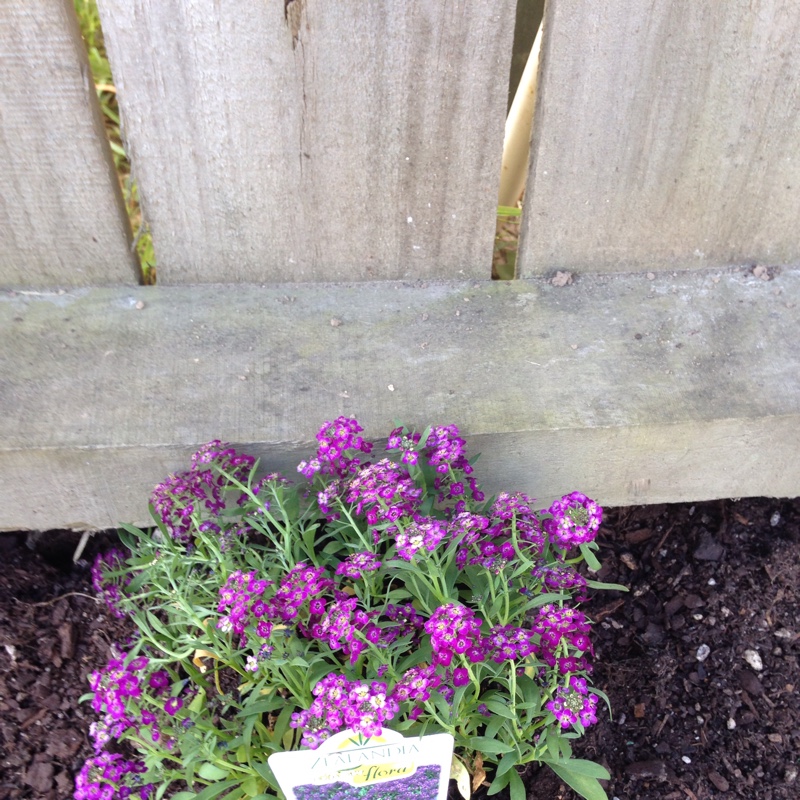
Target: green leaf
{"type": "Point", "coordinates": [252, 786]}
{"type": "Point", "coordinates": [459, 773]}
{"type": "Point", "coordinates": [501, 709]}
{"type": "Point", "coordinates": [262, 706]}
{"type": "Point", "coordinates": [489, 746]}
{"type": "Point", "coordinates": [616, 587]}
{"type": "Point", "coordinates": [264, 770]}
{"type": "Point", "coordinates": [282, 723]}
{"type": "Point", "coordinates": [215, 790]}
{"type": "Point", "coordinates": [540, 600]}
{"type": "Point", "coordinates": [499, 783]}
{"type": "Point", "coordinates": [587, 786]}
{"type": "Point", "coordinates": [582, 766]}
{"type": "Point", "coordinates": [508, 761]}
{"type": "Point", "coordinates": [199, 702]}
{"type": "Point", "coordinates": [157, 625]}
{"type": "Point", "coordinates": [211, 772]}
{"type": "Point", "coordinates": [516, 786]}
{"type": "Point", "coordinates": [590, 558]}
{"type": "Point", "coordinates": [493, 726]}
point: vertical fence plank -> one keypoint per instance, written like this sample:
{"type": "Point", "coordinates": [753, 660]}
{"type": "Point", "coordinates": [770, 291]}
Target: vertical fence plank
{"type": "Point", "coordinates": [62, 218]}
{"type": "Point", "coordinates": [666, 135]}
{"type": "Point", "coordinates": [283, 140]}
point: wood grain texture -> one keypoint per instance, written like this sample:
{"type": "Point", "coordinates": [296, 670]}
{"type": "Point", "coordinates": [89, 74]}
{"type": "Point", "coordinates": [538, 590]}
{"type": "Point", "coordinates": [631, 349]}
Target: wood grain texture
{"type": "Point", "coordinates": [314, 140]}
{"type": "Point", "coordinates": [635, 391]}
{"type": "Point", "coordinates": [62, 218]}
{"type": "Point", "coordinates": [666, 136]}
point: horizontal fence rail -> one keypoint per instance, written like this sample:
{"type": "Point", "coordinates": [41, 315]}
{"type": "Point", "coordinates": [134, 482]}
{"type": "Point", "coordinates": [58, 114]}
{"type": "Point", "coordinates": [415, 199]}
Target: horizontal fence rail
{"type": "Point", "coordinates": [632, 390]}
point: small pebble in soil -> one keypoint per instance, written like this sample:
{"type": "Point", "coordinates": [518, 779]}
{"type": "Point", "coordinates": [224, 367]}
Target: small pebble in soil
{"type": "Point", "coordinates": [753, 658]}
{"type": "Point", "coordinates": [703, 652]}
{"type": "Point", "coordinates": [775, 519]}
{"type": "Point", "coordinates": [686, 759]}
{"type": "Point", "coordinates": [718, 780]}
{"type": "Point", "coordinates": [731, 723]}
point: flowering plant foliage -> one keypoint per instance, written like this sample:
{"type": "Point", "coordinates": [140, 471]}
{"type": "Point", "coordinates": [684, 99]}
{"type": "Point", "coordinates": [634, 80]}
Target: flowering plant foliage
{"type": "Point", "coordinates": [375, 592]}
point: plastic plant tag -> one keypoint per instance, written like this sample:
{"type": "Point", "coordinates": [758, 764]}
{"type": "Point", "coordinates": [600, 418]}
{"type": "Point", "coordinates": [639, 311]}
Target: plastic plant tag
{"type": "Point", "coordinates": [351, 766]}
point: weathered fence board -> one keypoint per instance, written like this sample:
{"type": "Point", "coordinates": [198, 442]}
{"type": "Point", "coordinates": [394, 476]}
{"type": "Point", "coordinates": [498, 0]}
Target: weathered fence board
{"type": "Point", "coordinates": [62, 219]}
{"type": "Point", "coordinates": [634, 390]}
{"type": "Point", "coordinates": [666, 136]}
{"type": "Point", "coordinates": [310, 140]}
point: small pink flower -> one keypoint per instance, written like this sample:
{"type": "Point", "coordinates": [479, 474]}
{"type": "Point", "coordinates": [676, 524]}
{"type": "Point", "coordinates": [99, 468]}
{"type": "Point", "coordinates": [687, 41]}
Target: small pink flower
{"type": "Point", "coordinates": [173, 705]}
{"type": "Point", "coordinates": [460, 676]}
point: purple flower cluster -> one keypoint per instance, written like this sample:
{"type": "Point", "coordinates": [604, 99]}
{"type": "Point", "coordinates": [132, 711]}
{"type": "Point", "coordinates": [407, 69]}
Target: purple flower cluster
{"type": "Point", "coordinates": [424, 532]}
{"type": "Point", "coordinates": [406, 443]}
{"type": "Point", "coordinates": [340, 703]}
{"type": "Point", "coordinates": [489, 541]}
{"type": "Point", "coordinates": [575, 521]}
{"type": "Point", "coordinates": [465, 531]}
{"type": "Point", "coordinates": [573, 704]}
{"type": "Point", "coordinates": [102, 777]}
{"type": "Point", "coordinates": [513, 515]}
{"type": "Point", "coordinates": [554, 625]}
{"type": "Point", "coordinates": [416, 684]}
{"type": "Point", "coordinates": [114, 685]}
{"type": "Point", "coordinates": [557, 577]}
{"type": "Point", "coordinates": [300, 598]}
{"type": "Point", "coordinates": [383, 492]}
{"type": "Point", "coordinates": [509, 643]}
{"type": "Point", "coordinates": [356, 565]}
{"type": "Point", "coordinates": [107, 590]}
{"type": "Point", "coordinates": [408, 622]}
{"type": "Point", "coordinates": [307, 600]}
{"type": "Point", "coordinates": [515, 512]}
{"type": "Point", "coordinates": [240, 600]}
{"type": "Point", "coordinates": [350, 624]}
{"type": "Point", "coordinates": [184, 494]}
{"type": "Point", "coordinates": [454, 629]}
{"type": "Point", "coordinates": [336, 440]}
{"type": "Point", "coordinates": [341, 625]}
{"type": "Point", "coordinates": [446, 452]}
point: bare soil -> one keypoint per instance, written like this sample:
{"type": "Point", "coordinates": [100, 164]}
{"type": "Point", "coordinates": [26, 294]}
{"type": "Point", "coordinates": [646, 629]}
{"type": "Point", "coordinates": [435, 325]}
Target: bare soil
{"type": "Point", "coordinates": [696, 715]}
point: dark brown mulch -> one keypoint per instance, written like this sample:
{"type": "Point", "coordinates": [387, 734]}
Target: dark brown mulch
{"type": "Point", "coordinates": [721, 576]}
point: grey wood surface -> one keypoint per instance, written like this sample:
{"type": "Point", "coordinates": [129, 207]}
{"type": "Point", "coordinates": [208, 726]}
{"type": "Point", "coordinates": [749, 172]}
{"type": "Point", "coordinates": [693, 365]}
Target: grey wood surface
{"type": "Point", "coordinates": [310, 140]}
{"type": "Point", "coordinates": [62, 218]}
{"type": "Point", "coordinates": [684, 387]}
{"type": "Point", "coordinates": [666, 135]}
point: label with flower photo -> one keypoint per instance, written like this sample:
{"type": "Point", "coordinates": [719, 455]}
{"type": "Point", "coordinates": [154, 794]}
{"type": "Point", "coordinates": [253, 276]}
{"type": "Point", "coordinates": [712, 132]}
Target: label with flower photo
{"type": "Point", "coordinates": [351, 766]}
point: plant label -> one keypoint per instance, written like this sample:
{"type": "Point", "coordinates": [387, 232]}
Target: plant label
{"type": "Point", "coordinates": [351, 766]}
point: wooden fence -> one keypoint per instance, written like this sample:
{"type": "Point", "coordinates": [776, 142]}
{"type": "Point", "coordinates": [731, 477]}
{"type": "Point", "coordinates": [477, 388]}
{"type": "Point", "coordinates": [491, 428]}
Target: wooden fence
{"type": "Point", "coordinates": [320, 180]}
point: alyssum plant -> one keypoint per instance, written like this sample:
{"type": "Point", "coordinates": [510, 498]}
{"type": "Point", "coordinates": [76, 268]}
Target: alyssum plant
{"type": "Point", "coordinates": [372, 593]}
